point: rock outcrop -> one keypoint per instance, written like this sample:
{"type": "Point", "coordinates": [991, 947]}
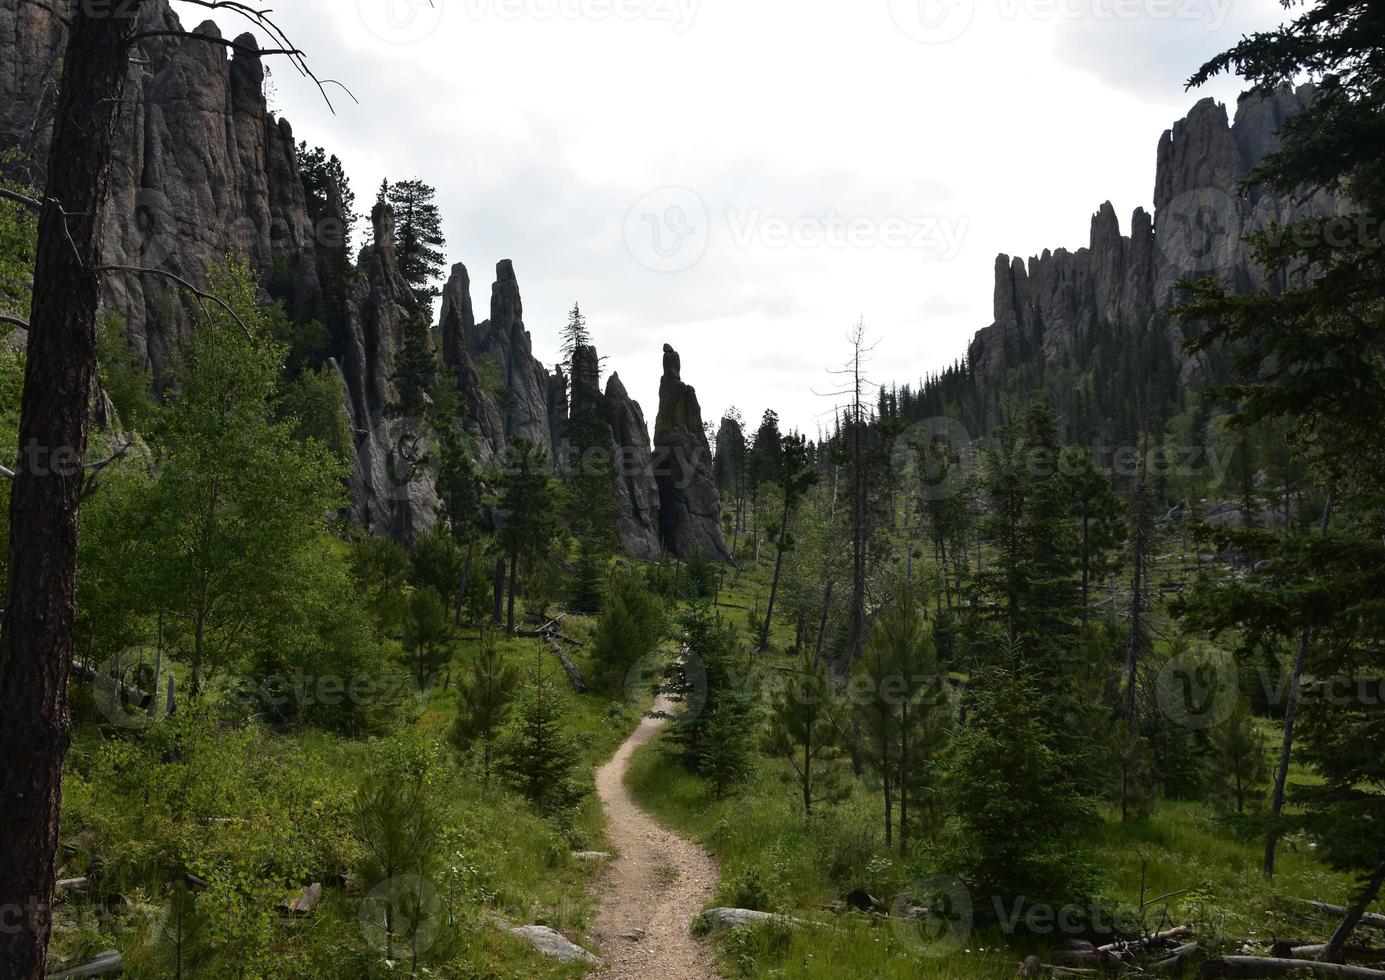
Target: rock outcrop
{"type": "Point", "coordinates": [689, 505]}
{"type": "Point", "coordinates": [508, 392]}
{"type": "Point", "coordinates": [1050, 305]}
{"type": "Point", "coordinates": [202, 169]}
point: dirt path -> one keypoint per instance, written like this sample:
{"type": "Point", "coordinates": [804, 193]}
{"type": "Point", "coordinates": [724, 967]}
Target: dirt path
{"type": "Point", "coordinates": [655, 885]}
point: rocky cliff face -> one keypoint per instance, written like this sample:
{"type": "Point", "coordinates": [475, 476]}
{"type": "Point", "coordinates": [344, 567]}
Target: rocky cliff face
{"type": "Point", "coordinates": [690, 507]}
{"type": "Point", "coordinates": [508, 393]}
{"type": "Point", "coordinates": [202, 169]}
{"type": "Point", "coordinates": [1051, 304]}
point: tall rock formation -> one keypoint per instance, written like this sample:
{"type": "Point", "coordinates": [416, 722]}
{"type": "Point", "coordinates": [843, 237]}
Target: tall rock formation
{"type": "Point", "coordinates": [690, 507]}
{"type": "Point", "coordinates": [202, 169]}
{"type": "Point", "coordinates": [390, 493]}
{"type": "Point", "coordinates": [1051, 305]}
{"type": "Point", "coordinates": [508, 392]}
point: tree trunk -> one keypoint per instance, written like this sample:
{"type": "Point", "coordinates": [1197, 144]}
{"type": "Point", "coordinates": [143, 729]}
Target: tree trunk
{"type": "Point", "coordinates": [1353, 916]}
{"type": "Point", "coordinates": [499, 612]}
{"type": "Point", "coordinates": [1281, 772]}
{"type": "Point", "coordinates": [822, 623]}
{"type": "Point", "coordinates": [466, 577]}
{"type": "Point", "coordinates": [510, 602]}
{"type": "Point", "coordinates": [36, 636]}
{"type": "Point", "coordinates": [774, 582]}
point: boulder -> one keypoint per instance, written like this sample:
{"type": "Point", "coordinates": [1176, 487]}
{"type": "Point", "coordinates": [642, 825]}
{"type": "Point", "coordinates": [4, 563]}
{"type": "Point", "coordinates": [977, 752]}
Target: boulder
{"type": "Point", "coordinates": [554, 944]}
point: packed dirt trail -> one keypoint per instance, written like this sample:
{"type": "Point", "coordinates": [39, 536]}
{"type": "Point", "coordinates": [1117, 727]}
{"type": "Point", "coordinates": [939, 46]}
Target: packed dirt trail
{"type": "Point", "coordinates": [654, 886]}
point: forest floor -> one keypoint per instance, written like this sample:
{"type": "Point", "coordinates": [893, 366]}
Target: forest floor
{"type": "Point", "coordinates": [655, 885]}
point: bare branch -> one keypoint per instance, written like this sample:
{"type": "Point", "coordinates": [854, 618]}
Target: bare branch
{"type": "Point", "coordinates": [179, 280]}
{"type": "Point", "coordinates": [18, 198]}
{"type": "Point", "coordinates": [6, 472]}
{"type": "Point", "coordinates": [239, 48]}
{"type": "Point", "coordinates": [13, 321]}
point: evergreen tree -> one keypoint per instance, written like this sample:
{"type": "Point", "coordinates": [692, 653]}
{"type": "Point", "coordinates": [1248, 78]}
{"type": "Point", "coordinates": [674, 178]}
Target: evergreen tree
{"type": "Point", "coordinates": [529, 500]}
{"type": "Point", "coordinates": [575, 335]}
{"type": "Point", "coordinates": [418, 239]}
{"type": "Point", "coordinates": [630, 627]}
{"type": "Point", "coordinates": [806, 729]}
{"type": "Point", "coordinates": [795, 479]}
{"type": "Point", "coordinates": [1312, 353]}
{"type": "Point", "coordinates": [427, 636]}
{"type": "Point", "coordinates": [902, 711]}
{"type": "Point", "coordinates": [461, 495]}
{"type": "Point", "coordinates": [1132, 778]}
{"type": "Point", "coordinates": [1098, 512]}
{"type": "Point", "coordinates": [1238, 761]}
{"type": "Point", "coordinates": [397, 823]}
{"type": "Point", "coordinates": [537, 754]}
{"type": "Point", "coordinates": [1016, 823]}
{"type": "Point", "coordinates": [485, 694]}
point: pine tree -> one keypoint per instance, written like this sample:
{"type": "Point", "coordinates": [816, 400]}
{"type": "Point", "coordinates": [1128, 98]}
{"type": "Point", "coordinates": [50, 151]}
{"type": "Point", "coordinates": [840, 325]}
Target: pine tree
{"type": "Point", "coordinates": [427, 636]}
{"type": "Point", "coordinates": [796, 477]}
{"type": "Point", "coordinates": [537, 755]}
{"type": "Point", "coordinates": [397, 823]}
{"type": "Point", "coordinates": [1132, 778]}
{"type": "Point", "coordinates": [806, 728]}
{"type": "Point", "coordinates": [630, 627]}
{"type": "Point", "coordinates": [529, 500]}
{"type": "Point", "coordinates": [1098, 512]}
{"type": "Point", "coordinates": [1016, 822]}
{"type": "Point", "coordinates": [575, 335]}
{"type": "Point", "coordinates": [485, 695]}
{"type": "Point", "coordinates": [1238, 761]}
{"type": "Point", "coordinates": [418, 239]}
{"type": "Point", "coordinates": [902, 710]}
{"type": "Point", "coordinates": [1312, 353]}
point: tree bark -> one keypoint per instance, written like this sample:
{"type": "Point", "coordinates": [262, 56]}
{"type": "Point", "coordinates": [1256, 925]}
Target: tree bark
{"type": "Point", "coordinates": [1353, 917]}
{"type": "Point", "coordinates": [36, 636]}
{"type": "Point", "coordinates": [499, 593]}
{"type": "Point", "coordinates": [510, 601]}
{"type": "Point", "coordinates": [774, 582]}
{"type": "Point", "coordinates": [1281, 772]}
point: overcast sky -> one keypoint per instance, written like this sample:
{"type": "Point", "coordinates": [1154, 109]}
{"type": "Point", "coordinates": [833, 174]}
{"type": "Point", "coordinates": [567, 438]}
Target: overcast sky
{"type": "Point", "coordinates": [743, 179]}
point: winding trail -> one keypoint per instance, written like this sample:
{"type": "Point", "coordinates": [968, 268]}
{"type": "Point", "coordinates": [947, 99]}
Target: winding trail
{"type": "Point", "coordinates": [653, 887]}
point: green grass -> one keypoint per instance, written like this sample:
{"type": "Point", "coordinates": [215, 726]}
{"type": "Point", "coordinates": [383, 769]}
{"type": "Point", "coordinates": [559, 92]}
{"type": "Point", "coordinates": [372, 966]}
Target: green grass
{"type": "Point", "coordinates": [775, 859]}
{"type": "Point", "coordinates": [262, 813]}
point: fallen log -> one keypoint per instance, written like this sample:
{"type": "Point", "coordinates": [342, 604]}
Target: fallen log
{"type": "Point", "coordinates": [105, 964]}
{"type": "Point", "coordinates": [1367, 918]}
{"type": "Point", "coordinates": [1177, 957]}
{"type": "Point", "coordinates": [1310, 951]}
{"type": "Point", "coordinates": [109, 684]}
{"type": "Point", "coordinates": [1243, 967]}
{"type": "Point", "coordinates": [1177, 932]}
{"type": "Point", "coordinates": [574, 676]}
